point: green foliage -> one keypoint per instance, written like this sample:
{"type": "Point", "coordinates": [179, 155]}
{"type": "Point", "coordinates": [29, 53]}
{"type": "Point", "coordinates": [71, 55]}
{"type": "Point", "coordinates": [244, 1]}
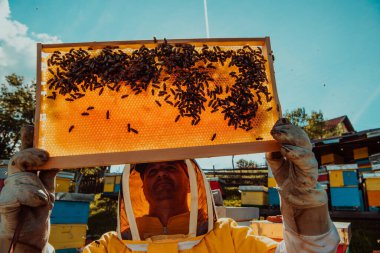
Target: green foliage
{"type": "Point", "coordinates": [365, 236]}
{"type": "Point", "coordinates": [313, 123]}
{"type": "Point", "coordinates": [244, 164]}
{"type": "Point", "coordinates": [232, 202]}
{"type": "Point", "coordinates": [103, 216]}
{"type": "Point", "coordinates": [17, 105]}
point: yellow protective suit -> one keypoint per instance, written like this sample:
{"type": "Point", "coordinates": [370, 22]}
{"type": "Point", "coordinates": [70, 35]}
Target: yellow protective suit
{"type": "Point", "coordinates": [198, 231]}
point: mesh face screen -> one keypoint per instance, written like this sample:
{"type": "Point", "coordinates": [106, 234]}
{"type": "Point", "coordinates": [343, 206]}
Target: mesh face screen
{"type": "Point", "coordinates": [129, 97]}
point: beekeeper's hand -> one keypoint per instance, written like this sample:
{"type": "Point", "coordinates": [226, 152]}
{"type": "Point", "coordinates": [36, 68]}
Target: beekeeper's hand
{"type": "Point", "coordinates": [303, 201]}
{"type": "Point", "coordinates": [28, 196]}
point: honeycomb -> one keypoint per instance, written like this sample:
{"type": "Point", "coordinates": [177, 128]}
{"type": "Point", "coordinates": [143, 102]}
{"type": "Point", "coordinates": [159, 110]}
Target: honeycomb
{"type": "Point", "coordinates": [110, 122]}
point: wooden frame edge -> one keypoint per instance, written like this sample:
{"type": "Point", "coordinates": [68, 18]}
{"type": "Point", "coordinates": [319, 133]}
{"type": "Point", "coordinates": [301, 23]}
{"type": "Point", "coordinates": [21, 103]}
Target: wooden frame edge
{"type": "Point", "coordinates": [272, 77]}
{"type": "Point", "coordinates": [106, 159]}
{"type": "Point", "coordinates": [38, 96]}
{"type": "Point", "coordinates": [127, 42]}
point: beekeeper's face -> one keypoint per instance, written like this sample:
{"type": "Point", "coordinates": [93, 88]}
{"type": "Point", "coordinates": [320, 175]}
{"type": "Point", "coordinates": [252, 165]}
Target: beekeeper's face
{"type": "Point", "coordinates": [166, 181]}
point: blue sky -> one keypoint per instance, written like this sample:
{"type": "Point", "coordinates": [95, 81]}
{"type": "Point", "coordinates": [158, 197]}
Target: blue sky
{"type": "Point", "coordinates": [327, 52]}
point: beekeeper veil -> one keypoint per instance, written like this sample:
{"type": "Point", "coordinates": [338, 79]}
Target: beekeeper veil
{"type": "Point", "coordinates": [133, 206]}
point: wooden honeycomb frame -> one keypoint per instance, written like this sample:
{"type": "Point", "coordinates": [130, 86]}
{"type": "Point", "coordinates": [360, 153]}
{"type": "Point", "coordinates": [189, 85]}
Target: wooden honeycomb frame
{"type": "Point", "coordinates": [182, 140]}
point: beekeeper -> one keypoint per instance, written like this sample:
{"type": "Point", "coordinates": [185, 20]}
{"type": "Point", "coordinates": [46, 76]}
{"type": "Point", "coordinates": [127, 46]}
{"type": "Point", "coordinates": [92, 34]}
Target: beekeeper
{"type": "Point", "coordinates": [167, 207]}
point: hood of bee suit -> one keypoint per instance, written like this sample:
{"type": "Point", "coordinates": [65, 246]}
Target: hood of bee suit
{"type": "Point", "coordinates": [133, 205]}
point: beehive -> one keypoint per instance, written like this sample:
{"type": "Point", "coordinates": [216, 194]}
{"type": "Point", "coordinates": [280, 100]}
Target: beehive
{"type": "Point", "coordinates": [331, 159]}
{"type": "Point", "coordinates": [63, 181]}
{"type": "Point", "coordinates": [158, 112]}
{"type": "Point", "coordinates": [111, 182]}
{"type": "Point", "coordinates": [64, 236]}
{"type": "Point", "coordinates": [254, 195]}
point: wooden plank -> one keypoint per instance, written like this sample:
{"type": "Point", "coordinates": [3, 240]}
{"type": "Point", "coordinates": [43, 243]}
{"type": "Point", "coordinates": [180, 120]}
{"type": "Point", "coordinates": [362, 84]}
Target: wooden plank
{"type": "Point", "coordinates": [68, 151]}
{"type": "Point", "coordinates": [38, 95]}
{"type": "Point", "coordinates": [103, 159]}
{"type": "Point", "coordinates": [268, 51]}
{"type": "Point", "coordinates": [259, 42]}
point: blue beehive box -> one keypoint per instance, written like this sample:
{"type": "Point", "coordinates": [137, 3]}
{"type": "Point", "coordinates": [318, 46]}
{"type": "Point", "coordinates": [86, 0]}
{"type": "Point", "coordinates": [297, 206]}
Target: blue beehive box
{"type": "Point", "coordinates": [342, 197]}
{"type": "Point", "coordinates": [117, 188]}
{"type": "Point", "coordinates": [66, 251]}
{"type": "Point", "coordinates": [71, 208]}
{"type": "Point", "coordinates": [273, 197]}
{"type": "Point", "coordinates": [350, 178]}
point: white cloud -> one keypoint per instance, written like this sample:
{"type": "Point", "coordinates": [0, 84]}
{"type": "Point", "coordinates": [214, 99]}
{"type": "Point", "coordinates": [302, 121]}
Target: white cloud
{"type": "Point", "coordinates": [18, 46]}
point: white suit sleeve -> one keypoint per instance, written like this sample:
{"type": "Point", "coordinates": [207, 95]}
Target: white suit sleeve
{"type": "Point", "coordinates": [293, 242]}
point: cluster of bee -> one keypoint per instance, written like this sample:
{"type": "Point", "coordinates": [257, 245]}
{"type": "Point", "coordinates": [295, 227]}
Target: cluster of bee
{"type": "Point", "coordinates": [179, 73]}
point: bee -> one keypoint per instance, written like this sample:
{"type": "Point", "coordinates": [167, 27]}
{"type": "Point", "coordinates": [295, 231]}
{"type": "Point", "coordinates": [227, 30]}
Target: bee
{"type": "Point", "coordinates": [158, 103]}
{"type": "Point", "coordinates": [71, 128]}
{"type": "Point", "coordinates": [213, 137]}
{"type": "Point", "coordinates": [85, 114]}
{"type": "Point", "coordinates": [90, 108]}
{"type": "Point", "coordinates": [108, 115]}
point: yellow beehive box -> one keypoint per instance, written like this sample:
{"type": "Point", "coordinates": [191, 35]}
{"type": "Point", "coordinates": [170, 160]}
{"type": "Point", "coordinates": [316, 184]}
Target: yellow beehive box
{"type": "Point", "coordinates": [360, 153]}
{"type": "Point", "coordinates": [109, 183]}
{"type": "Point", "coordinates": [104, 103]}
{"type": "Point", "coordinates": [63, 184]}
{"type": "Point", "coordinates": [254, 195]}
{"type": "Point", "coordinates": [331, 159]}
{"type": "Point", "coordinates": [373, 184]}
{"type": "Point", "coordinates": [64, 181]}
{"type": "Point", "coordinates": [65, 236]}
{"type": "Point", "coordinates": [271, 182]}
{"type": "Point", "coordinates": [373, 198]}
{"type": "Point", "coordinates": [336, 178]}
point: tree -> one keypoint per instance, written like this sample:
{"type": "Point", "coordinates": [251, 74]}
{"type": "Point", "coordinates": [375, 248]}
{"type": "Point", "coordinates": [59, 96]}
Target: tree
{"type": "Point", "coordinates": [313, 124]}
{"type": "Point", "coordinates": [17, 105]}
{"type": "Point", "coordinates": [244, 164]}
{"type": "Point", "coordinates": [86, 174]}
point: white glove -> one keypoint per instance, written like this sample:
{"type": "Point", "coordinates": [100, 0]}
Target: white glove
{"type": "Point", "coordinates": [32, 195]}
{"type": "Point", "coordinates": [295, 167]}
{"type": "Point", "coordinates": [303, 202]}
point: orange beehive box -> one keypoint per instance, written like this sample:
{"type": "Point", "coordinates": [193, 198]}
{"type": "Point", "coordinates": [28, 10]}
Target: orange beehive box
{"type": "Point", "coordinates": [105, 103]}
{"type": "Point", "coordinates": [373, 198]}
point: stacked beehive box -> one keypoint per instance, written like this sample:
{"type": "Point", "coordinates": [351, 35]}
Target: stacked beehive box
{"type": "Point", "coordinates": [273, 196]}
{"type": "Point", "coordinates": [216, 184]}
{"type": "Point", "coordinates": [331, 158]}
{"type": "Point", "coordinates": [323, 175]}
{"type": "Point", "coordinates": [3, 172]}
{"type": "Point", "coordinates": [112, 183]}
{"type": "Point", "coordinates": [253, 195]}
{"type": "Point", "coordinates": [375, 161]}
{"type": "Point", "coordinates": [2, 177]}
{"type": "Point", "coordinates": [372, 185]}
{"type": "Point", "coordinates": [361, 158]}
{"type": "Point", "coordinates": [69, 221]}
{"type": "Point", "coordinates": [63, 181]}
{"type": "Point", "coordinates": [344, 187]}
